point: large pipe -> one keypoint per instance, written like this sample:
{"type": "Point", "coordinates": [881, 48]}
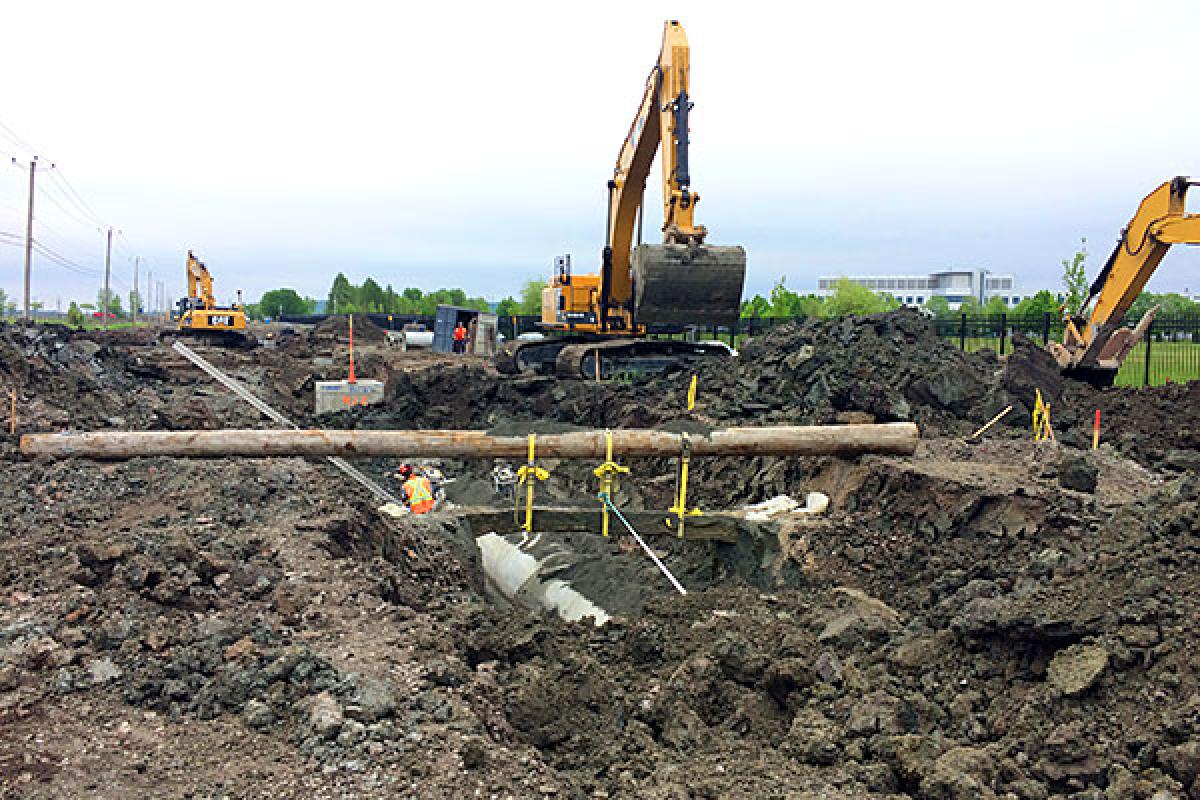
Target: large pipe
{"type": "Point", "coordinates": [838, 440]}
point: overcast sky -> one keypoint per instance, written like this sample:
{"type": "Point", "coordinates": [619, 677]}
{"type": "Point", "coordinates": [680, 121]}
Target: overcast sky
{"type": "Point", "coordinates": [449, 144]}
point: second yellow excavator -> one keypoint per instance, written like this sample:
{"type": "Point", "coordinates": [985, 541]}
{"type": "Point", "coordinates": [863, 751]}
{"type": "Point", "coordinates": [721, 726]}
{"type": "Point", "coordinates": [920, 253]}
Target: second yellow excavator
{"type": "Point", "coordinates": [1096, 341]}
{"type": "Point", "coordinates": [202, 320]}
{"type": "Point", "coordinates": [600, 320]}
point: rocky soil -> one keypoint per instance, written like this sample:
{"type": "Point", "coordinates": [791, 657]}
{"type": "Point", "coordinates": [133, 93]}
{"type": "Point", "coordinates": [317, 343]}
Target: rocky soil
{"type": "Point", "coordinates": [998, 619]}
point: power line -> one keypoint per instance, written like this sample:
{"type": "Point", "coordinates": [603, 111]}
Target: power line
{"type": "Point", "coordinates": [57, 174]}
{"type": "Point", "coordinates": [65, 210]}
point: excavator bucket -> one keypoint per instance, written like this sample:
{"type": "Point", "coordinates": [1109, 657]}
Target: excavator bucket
{"type": "Point", "coordinates": [681, 284]}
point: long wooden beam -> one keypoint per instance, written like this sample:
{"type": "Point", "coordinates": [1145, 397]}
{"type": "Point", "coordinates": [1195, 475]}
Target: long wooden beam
{"type": "Point", "coordinates": [839, 440]}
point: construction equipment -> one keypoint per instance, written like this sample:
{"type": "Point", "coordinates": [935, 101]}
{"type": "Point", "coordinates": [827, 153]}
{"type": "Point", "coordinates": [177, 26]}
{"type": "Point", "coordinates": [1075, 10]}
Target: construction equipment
{"type": "Point", "coordinates": [202, 320]}
{"type": "Point", "coordinates": [683, 281]}
{"type": "Point", "coordinates": [1096, 342]}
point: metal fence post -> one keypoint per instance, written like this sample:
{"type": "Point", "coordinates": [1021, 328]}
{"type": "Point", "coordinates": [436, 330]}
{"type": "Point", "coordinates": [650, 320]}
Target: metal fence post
{"type": "Point", "coordinates": [1003, 331]}
{"type": "Point", "coordinates": [1045, 328]}
{"type": "Point", "coordinates": [1149, 339]}
{"type": "Point", "coordinates": [962, 333]}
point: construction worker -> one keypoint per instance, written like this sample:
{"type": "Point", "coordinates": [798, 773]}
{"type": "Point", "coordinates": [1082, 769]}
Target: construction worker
{"type": "Point", "coordinates": [460, 339]}
{"type": "Point", "coordinates": [418, 492]}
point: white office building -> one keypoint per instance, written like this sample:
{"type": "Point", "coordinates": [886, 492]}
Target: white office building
{"type": "Point", "coordinates": [956, 285]}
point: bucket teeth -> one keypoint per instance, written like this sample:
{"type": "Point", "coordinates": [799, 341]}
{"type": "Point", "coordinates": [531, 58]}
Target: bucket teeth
{"type": "Point", "coordinates": [677, 284]}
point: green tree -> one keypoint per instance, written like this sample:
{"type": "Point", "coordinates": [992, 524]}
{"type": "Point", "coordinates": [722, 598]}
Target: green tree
{"type": "Point", "coordinates": [531, 296]}
{"type": "Point", "coordinates": [135, 300]}
{"type": "Point", "coordinates": [74, 315]}
{"type": "Point", "coordinates": [391, 300]}
{"type": "Point", "coordinates": [850, 297]}
{"type": "Point", "coordinates": [939, 306]}
{"type": "Point", "coordinates": [757, 306]}
{"type": "Point", "coordinates": [341, 296]}
{"type": "Point", "coordinates": [114, 302]}
{"type": "Point", "coordinates": [411, 301]}
{"type": "Point", "coordinates": [1170, 304]}
{"type": "Point", "coordinates": [508, 307]}
{"type": "Point", "coordinates": [283, 301]}
{"type": "Point", "coordinates": [3, 301]}
{"type": "Point", "coordinates": [371, 296]}
{"type": "Point", "coordinates": [786, 303]}
{"type": "Point", "coordinates": [1075, 282]}
{"type": "Point", "coordinates": [1041, 303]}
{"type": "Point", "coordinates": [995, 306]}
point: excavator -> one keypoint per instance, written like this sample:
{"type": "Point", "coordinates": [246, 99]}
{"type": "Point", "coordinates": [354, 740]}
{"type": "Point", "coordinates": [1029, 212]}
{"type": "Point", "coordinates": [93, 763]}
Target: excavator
{"type": "Point", "coordinates": [599, 321]}
{"type": "Point", "coordinates": [202, 320]}
{"type": "Point", "coordinates": [1096, 341]}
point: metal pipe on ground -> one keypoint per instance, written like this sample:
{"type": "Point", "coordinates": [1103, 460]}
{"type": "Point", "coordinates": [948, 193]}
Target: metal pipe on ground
{"type": "Point", "coordinates": [896, 438]}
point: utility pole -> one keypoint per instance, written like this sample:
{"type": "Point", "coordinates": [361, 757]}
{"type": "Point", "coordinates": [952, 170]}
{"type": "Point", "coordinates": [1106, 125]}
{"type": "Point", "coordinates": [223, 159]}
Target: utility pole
{"type": "Point", "coordinates": [107, 266]}
{"type": "Point", "coordinates": [136, 297]}
{"type": "Point", "coordinates": [29, 234]}
{"type": "Point", "coordinates": [150, 306]}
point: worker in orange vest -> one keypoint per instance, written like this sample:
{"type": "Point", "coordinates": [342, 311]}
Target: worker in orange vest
{"type": "Point", "coordinates": [460, 339]}
{"type": "Point", "coordinates": [418, 492]}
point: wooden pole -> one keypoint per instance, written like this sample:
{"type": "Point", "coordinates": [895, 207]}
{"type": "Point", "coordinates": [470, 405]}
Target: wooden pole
{"type": "Point", "coordinates": [990, 423]}
{"type": "Point", "coordinates": [898, 438]}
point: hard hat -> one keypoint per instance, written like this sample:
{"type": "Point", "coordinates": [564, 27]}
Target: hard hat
{"type": "Point", "coordinates": [404, 470]}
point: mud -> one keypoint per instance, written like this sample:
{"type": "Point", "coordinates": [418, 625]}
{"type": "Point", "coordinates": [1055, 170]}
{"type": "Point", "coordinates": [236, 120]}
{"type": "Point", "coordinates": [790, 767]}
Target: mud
{"type": "Point", "coordinates": [972, 622]}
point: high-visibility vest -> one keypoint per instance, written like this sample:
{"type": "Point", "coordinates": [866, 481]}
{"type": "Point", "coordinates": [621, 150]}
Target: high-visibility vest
{"type": "Point", "coordinates": [460, 333]}
{"type": "Point", "coordinates": [419, 494]}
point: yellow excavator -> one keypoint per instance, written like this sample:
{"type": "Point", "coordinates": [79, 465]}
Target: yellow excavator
{"type": "Point", "coordinates": [202, 320]}
{"type": "Point", "coordinates": [1096, 341]}
{"type": "Point", "coordinates": [599, 321]}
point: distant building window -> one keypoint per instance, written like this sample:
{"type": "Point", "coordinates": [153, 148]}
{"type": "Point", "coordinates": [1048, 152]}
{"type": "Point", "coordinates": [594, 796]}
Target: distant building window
{"type": "Point", "coordinates": [908, 301]}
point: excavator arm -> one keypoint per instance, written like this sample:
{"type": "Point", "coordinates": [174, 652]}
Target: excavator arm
{"type": "Point", "coordinates": [1096, 342]}
{"type": "Point", "coordinates": [200, 286]}
{"type": "Point", "coordinates": [682, 280]}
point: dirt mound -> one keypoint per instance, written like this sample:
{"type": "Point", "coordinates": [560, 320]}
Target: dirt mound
{"type": "Point", "coordinates": [338, 328]}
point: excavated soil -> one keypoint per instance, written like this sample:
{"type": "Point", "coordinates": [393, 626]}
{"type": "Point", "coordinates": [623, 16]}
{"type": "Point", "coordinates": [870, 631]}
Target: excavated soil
{"type": "Point", "coordinates": [994, 619]}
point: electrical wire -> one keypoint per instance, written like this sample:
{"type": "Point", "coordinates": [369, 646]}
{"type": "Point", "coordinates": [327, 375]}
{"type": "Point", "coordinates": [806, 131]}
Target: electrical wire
{"type": "Point", "coordinates": [11, 135]}
{"type": "Point", "coordinates": [58, 175]}
{"type": "Point", "coordinates": [65, 210]}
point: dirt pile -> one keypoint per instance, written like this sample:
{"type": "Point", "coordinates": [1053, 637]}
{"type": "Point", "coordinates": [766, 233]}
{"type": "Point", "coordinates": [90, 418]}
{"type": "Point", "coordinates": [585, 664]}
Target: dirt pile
{"type": "Point", "coordinates": [886, 368]}
{"type": "Point", "coordinates": [999, 620]}
{"type": "Point", "coordinates": [337, 328]}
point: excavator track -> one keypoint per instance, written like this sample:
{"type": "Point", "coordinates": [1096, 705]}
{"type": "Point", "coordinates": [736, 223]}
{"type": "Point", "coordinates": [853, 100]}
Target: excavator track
{"type": "Point", "coordinates": [631, 357]}
{"type": "Point", "coordinates": [233, 340]}
{"type": "Point", "coordinates": [575, 357]}
{"type": "Point", "coordinates": [534, 355]}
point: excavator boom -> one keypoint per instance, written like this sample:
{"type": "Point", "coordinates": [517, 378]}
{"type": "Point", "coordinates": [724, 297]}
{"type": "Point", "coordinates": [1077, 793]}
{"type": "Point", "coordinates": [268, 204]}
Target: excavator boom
{"type": "Point", "coordinates": [1096, 342]}
{"type": "Point", "coordinates": [682, 281]}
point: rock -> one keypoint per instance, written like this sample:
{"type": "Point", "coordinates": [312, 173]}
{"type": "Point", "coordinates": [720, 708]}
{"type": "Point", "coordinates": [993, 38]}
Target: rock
{"type": "Point", "coordinates": [258, 715]}
{"type": "Point", "coordinates": [1183, 460]}
{"type": "Point", "coordinates": [1182, 761]}
{"type": "Point", "coordinates": [371, 700]}
{"type": "Point", "coordinates": [1077, 473]}
{"type": "Point", "coordinates": [241, 649]}
{"type": "Point", "coordinates": [325, 715]}
{"type": "Point", "coordinates": [1075, 669]}
{"type": "Point", "coordinates": [828, 667]}
{"type": "Point", "coordinates": [103, 670]}
{"type": "Point", "coordinates": [961, 773]}
{"type": "Point", "coordinates": [473, 754]}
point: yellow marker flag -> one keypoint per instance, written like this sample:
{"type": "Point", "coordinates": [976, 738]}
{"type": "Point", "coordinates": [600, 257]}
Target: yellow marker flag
{"type": "Point", "coordinates": [691, 399]}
